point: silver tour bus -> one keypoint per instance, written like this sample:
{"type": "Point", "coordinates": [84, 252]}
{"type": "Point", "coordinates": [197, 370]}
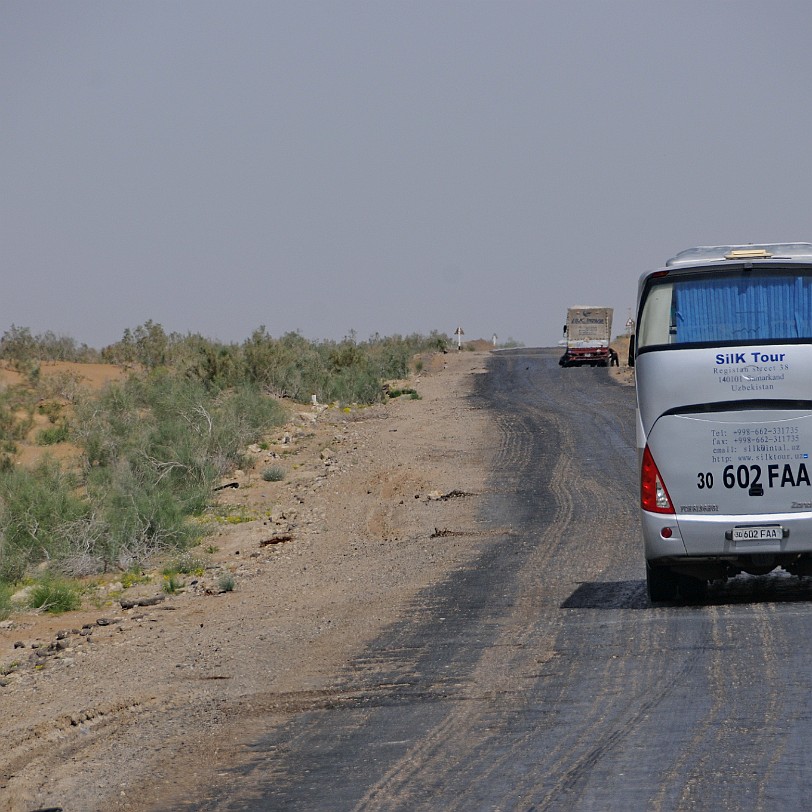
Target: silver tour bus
{"type": "Point", "coordinates": [723, 358]}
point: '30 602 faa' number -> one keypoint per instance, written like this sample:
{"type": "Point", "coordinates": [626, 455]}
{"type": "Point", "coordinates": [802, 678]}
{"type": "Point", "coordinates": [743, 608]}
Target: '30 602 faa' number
{"type": "Point", "coordinates": [751, 476]}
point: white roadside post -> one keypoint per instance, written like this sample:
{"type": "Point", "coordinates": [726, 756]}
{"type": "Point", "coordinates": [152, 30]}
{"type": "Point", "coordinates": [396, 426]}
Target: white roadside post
{"type": "Point", "coordinates": [459, 332]}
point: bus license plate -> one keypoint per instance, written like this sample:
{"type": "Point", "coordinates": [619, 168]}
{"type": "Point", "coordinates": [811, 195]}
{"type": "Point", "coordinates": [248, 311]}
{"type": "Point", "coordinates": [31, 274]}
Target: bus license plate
{"type": "Point", "coordinates": [773, 533]}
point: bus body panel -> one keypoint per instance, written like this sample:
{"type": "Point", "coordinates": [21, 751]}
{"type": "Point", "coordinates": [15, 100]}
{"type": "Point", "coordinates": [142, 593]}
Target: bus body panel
{"type": "Point", "coordinates": [707, 536]}
{"type": "Point", "coordinates": [750, 462]}
{"type": "Point", "coordinates": [710, 376]}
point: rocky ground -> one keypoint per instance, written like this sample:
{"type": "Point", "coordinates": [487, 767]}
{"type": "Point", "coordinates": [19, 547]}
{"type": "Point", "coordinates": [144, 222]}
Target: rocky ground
{"type": "Point", "coordinates": [137, 700]}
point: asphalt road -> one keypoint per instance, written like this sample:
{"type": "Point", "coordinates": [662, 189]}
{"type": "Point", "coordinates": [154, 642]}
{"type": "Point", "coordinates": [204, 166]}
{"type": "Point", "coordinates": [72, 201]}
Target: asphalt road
{"type": "Point", "coordinates": [539, 678]}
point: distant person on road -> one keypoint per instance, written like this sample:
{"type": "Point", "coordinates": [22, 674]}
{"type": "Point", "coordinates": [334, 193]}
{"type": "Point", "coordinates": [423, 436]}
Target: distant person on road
{"type": "Point", "coordinates": [613, 359]}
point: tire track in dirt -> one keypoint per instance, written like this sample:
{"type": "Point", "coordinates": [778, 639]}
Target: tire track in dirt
{"type": "Point", "coordinates": [494, 676]}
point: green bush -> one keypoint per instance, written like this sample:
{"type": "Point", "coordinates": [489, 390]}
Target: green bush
{"type": "Point", "coordinates": [240, 418]}
{"type": "Point", "coordinates": [346, 371]}
{"type": "Point", "coordinates": [58, 433]}
{"type": "Point", "coordinates": [36, 507]}
{"type": "Point", "coordinates": [5, 600]}
{"type": "Point", "coordinates": [55, 597]}
{"type": "Point", "coordinates": [396, 393]}
{"type": "Point", "coordinates": [140, 516]}
{"type": "Point", "coordinates": [154, 447]}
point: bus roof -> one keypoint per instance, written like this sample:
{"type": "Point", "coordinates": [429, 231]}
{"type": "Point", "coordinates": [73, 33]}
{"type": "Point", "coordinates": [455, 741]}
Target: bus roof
{"type": "Point", "coordinates": [714, 253]}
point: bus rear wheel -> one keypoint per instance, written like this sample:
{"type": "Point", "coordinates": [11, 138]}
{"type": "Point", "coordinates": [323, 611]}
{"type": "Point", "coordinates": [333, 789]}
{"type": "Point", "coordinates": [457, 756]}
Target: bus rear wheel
{"type": "Point", "coordinates": [692, 590]}
{"type": "Point", "coordinates": [663, 585]}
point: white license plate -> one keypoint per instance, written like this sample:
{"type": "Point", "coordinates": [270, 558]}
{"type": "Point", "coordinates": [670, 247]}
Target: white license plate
{"type": "Point", "coordinates": [772, 533]}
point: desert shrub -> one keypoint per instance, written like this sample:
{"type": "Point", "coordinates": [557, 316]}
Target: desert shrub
{"type": "Point", "coordinates": [35, 506]}
{"type": "Point", "coordinates": [122, 352]}
{"type": "Point", "coordinates": [394, 354]}
{"type": "Point", "coordinates": [17, 407]}
{"type": "Point", "coordinates": [172, 583]}
{"type": "Point", "coordinates": [217, 366]}
{"type": "Point", "coordinates": [346, 371]}
{"type": "Point", "coordinates": [54, 596]}
{"type": "Point", "coordinates": [225, 583]}
{"type": "Point", "coordinates": [22, 349]}
{"type": "Point", "coordinates": [5, 600]}
{"type": "Point", "coordinates": [186, 564]}
{"type": "Point", "coordinates": [274, 473]}
{"type": "Point", "coordinates": [396, 393]}
{"type": "Point", "coordinates": [8, 430]}
{"type": "Point", "coordinates": [134, 576]}
{"type": "Point", "coordinates": [290, 366]}
{"type": "Point", "coordinates": [139, 516]}
{"type": "Point", "coordinates": [52, 435]}
{"type": "Point", "coordinates": [17, 345]}
{"type": "Point", "coordinates": [240, 418]}
{"type": "Point", "coordinates": [66, 385]}
{"type": "Point", "coordinates": [358, 372]}
{"type": "Point", "coordinates": [52, 347]}
{"type": "Point", "coordinates": [108, 421]}
{"type": "Point", "coordinates": [148, 345]}
{"type": "Point", "coordinates": [154, 445]}
{"type": "Point", "coordinates": [151, 345]}
{"type": "Point", "coordinates": [357, 383]}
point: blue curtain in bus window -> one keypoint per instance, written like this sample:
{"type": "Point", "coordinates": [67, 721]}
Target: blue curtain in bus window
{"type": "Point", "coordinates": [737, 309]}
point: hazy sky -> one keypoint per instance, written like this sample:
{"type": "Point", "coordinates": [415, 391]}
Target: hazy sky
{"type": "Point", "coordinates": [389, 167]}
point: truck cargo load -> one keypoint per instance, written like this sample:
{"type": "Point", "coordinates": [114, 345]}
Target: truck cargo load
{"type": "Point", "coordinates": [586, 336]}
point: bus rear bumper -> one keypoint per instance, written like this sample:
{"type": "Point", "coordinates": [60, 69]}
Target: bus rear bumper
{"type": "Point", "coordinates": [705, 545]}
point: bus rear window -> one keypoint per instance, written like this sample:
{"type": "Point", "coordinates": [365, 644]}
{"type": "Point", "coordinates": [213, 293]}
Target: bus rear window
{"type": "Point", "coordinates": [737, 307]}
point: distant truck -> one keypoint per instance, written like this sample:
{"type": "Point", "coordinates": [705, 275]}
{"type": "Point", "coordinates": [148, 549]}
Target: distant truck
{"type": "Point", "coordinates": [586, 337]}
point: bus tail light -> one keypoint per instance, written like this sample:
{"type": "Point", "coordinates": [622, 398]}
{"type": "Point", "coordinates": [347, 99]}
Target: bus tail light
{"type": "Point", "coordinates": [653, 494]}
